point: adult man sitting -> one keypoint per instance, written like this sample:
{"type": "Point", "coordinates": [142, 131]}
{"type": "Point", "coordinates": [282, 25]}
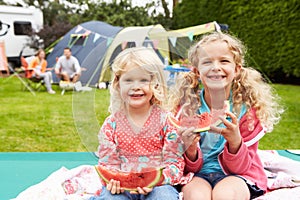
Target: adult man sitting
{"type": "Point", "coordinates": [67, 67]}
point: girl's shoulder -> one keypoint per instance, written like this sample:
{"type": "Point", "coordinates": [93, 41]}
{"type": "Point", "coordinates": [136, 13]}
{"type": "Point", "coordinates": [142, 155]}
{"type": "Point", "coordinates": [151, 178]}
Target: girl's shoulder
{"type": "Point", "coordinates": [109, 123]}
{"type": "Point", "coordinates": [35, 59]}
{"type": "Point", "coordinates": [110, 119]}
{"type": "Point", "coordinates": [157, 110]}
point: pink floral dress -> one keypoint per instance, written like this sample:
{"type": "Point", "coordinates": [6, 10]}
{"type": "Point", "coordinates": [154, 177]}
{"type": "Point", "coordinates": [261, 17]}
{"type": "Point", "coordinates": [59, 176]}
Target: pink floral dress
{"type": "Point", "coordinates": [156, 144]}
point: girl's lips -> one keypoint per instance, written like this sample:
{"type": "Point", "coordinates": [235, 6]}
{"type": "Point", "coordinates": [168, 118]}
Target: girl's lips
{"type": "Point", "coordinates": [136, 95]}
{"type": "Point", "coordinates": [216, 77]}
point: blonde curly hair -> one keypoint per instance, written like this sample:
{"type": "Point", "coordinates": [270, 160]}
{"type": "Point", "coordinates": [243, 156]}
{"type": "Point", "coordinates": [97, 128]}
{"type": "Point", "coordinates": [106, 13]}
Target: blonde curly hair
{"type": "Point", "coordinates": [248, 87]}
{"type": "Point", "coordinates": [146, 59]}
{"type": "Point", "coordinates": [184, 95]}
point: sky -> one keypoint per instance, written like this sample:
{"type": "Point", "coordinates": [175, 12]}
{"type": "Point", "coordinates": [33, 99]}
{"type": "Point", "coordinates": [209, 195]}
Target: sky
{"type": "Point", "coordinates": [14, 1]}
{"type": "Point", "coordinates": [134, 3]}
{"type": "Point", "coordinates": [143, 2]}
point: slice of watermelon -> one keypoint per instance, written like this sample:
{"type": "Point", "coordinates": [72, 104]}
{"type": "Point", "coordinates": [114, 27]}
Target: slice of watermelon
{"type": "Point", "coordinates": [148, 177]}
{"type": "Point", "coordinates": [216, 113]}
{"type": "Point", "coordinates": [200, 122]}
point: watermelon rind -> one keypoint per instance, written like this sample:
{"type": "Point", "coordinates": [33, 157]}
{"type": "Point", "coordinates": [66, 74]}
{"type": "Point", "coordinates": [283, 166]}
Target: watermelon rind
{"type": "Point", "coordinates": [118, 175]}
{"type": "Point", "coordinates": [199, 130]}
{"type": "Point", "coordinates": [157, 179]}
{"type": "Point", "coordinates": [175, 122]}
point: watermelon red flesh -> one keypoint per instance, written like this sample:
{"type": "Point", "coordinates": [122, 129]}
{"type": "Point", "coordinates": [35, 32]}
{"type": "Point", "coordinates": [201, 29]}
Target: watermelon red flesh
{"type": "Point", "coordinates": [200, 122]}
{"type": "Point", "coordinates": [131, 180]}
{"type": "Point", "coordinates": [216, 113]}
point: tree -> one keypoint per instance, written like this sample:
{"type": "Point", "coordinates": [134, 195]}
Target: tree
{"type": "Point", "coordinates": [270, 30]}
{"type": "Point", "coordinates": [117, 14]}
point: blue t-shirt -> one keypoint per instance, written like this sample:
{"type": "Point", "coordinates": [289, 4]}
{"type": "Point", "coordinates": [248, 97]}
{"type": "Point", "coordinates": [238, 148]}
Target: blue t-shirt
{"type": "Point", "coordinates": [212, 144]}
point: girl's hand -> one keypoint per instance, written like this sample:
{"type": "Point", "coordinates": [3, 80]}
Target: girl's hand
{"type": "Point", "coordinates": [143, 191]}
{"type": "Point", "coordinates": [190, 140]}
{"type": "Point", "coordinates": [114, 187]}
{"type": "Point", "coordinates": [231, 133]}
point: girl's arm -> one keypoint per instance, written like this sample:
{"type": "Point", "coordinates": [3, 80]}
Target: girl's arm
{"type": "Point", "coordinates": [108, 155]}
{"type": "Point", "coordinates": [44, 66]}
{"type": "Point", "coordinates": [194, 164]}
{"type": "Point", "coordinates": [173, 160]}
{"type": "Point", "coordinates": [243, 159]}
{"type": "Point", "coordinates": [192, 154]}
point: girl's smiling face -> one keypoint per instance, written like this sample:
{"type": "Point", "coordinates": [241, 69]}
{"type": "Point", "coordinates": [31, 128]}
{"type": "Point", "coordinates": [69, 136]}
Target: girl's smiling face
{"type": "Point", "coordinates": [217, 66]}
{"type": "Point", "coordinates": [135, 87]}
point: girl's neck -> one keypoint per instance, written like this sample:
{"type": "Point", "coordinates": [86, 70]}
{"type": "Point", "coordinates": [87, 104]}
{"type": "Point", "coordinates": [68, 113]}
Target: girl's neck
{"type": "Point", "coordinates": [215, 99]}
{"type": "Point", "coordinates": [40, 59]}
{"type": "Point", "coordinates": [139, 116]}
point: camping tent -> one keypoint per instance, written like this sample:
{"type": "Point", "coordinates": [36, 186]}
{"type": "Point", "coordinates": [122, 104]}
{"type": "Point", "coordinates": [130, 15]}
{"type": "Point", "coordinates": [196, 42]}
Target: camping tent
{"type": "Point", "coordinates": [88, 42]}
{"type": "Point", "coordinates": [96, 44]}
{"type": "Point", "coordinates": [175, 43]}
{"type": "Point", "coordinates": [130, 37]}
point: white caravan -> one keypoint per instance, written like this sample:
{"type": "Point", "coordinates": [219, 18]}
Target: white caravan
{"type": "Point", "coordinates": [18, 26]}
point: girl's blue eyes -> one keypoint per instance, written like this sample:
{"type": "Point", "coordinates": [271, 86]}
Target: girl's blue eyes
{"type": "Point", "coordinates": [225, 61]}
{"type": "Point", "coordinates": [209, 62]}
{"type": "Point", "coordinates": [142, 80]}
{"type": "Point", "coordinates": [206, 62]}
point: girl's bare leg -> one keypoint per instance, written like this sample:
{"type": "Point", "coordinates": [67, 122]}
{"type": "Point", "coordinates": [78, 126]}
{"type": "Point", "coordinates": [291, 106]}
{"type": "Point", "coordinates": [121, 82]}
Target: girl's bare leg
{"type": "Point", "coordinates": [197, 189]}
{"type": "Point", "coordinates": [231, 188]}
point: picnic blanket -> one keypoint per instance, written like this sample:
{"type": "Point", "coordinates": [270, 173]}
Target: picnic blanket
{"type": "Point", "coordinates": [81, 182]}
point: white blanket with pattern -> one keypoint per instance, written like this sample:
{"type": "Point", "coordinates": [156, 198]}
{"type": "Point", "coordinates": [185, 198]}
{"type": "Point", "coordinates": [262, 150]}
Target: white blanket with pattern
{"type": "Point", "coordinates": [82, 182]}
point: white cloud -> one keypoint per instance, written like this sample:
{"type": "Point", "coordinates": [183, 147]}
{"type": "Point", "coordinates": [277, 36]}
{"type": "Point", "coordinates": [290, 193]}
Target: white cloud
{"type": "Point", "coordinates": [14, 2]}
{"type": "Point", "coordinates": [141, 3]}
{"type": "Point", "coordinates": [134, 3]}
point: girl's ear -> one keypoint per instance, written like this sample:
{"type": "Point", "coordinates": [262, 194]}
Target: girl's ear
{"type": "Point", "coordinates": [238, 68]}
{"type": "Point", "coordinates": [116, 82]}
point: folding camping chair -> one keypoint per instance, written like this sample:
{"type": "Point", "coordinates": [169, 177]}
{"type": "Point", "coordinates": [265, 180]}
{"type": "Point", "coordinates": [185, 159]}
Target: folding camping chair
{"type": "Point", "coordinates": [32, 83]}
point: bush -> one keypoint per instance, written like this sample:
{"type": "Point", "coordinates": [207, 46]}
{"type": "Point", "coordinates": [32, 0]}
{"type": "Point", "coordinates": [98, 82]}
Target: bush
{"type": "Point", "coordinates": [268, 28]}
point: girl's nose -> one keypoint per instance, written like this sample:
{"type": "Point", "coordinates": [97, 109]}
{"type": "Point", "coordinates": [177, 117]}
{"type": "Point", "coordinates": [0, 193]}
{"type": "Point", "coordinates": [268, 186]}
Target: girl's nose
{"type": "Point", "coordinates": [136, 85]}
{"type": "Point", "coordinates": [216, 66]}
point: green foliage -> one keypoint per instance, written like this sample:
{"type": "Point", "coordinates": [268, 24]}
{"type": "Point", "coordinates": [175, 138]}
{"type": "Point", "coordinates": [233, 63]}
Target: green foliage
{"type": "Point", "coordinates": [270, 30]}
{"type": "Point", "coordinates": [59, 18]}
{"type": "Point", "coordinates": [117, 14]}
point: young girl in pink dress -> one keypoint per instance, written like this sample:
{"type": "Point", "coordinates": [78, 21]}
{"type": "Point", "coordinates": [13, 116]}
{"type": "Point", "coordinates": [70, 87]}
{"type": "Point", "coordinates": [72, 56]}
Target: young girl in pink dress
{"type": "Point", "coordinates": [137, 134]}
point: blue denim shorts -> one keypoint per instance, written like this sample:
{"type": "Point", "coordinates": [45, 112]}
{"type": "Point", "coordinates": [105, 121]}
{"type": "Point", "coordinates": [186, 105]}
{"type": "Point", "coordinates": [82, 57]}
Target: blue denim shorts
{"type": "Point", "coordinates": [158, 192]}
{"type": "Point", "coordinates": [212, 178]}
{"type": "Point", "coordinates": [215, 177]}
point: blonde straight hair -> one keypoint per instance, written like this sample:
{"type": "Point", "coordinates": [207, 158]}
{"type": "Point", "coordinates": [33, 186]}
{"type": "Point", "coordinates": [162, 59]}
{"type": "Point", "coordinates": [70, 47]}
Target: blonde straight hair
{"type": "Point", "coordinates": [146, 59]}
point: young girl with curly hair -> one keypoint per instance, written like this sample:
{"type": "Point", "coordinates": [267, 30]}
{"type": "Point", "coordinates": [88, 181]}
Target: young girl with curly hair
{"type": "Point", "coordinates": [225, 161]}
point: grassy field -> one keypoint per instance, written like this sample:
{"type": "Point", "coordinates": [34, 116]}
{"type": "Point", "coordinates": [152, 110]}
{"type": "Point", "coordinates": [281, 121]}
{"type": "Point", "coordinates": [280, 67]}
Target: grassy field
{"type": "Point", "coordinates": [70, 123]}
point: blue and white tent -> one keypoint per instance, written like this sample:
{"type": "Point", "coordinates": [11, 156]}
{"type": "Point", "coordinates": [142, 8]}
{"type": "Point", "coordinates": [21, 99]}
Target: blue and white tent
{"type": "Point", "coordinates": [95, 44]}
{"type": "Point", "coordinates": [88, 42]}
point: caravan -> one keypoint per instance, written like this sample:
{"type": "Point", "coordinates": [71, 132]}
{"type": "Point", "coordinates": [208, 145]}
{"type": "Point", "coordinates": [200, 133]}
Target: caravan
{"type": "Point", "coordinates": [18, 28]}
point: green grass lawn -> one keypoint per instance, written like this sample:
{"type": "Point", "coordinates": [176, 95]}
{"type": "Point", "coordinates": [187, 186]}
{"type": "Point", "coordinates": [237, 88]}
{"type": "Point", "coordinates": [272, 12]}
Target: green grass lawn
{"type": "Point", "coordinates": [70, 123]}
